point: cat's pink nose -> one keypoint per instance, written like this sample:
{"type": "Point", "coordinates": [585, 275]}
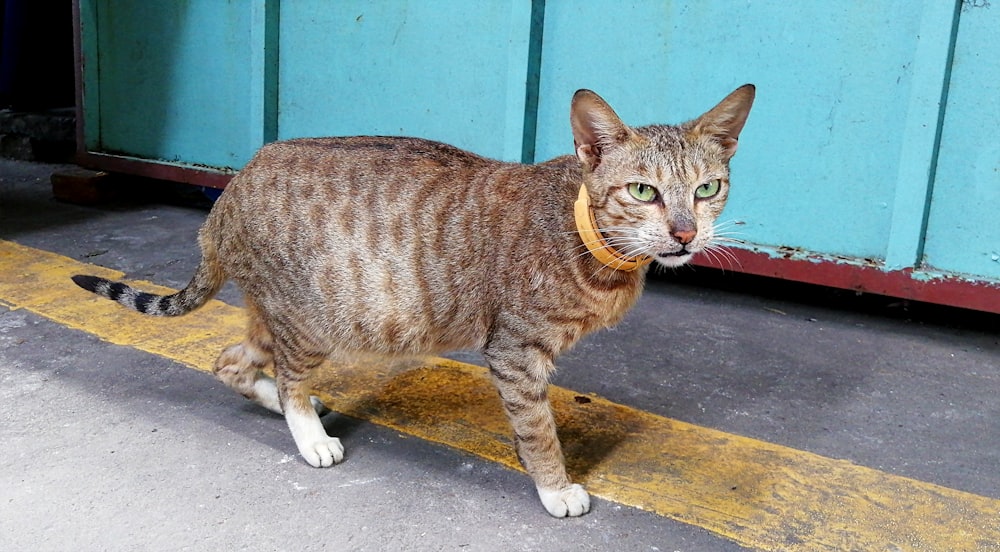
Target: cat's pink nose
{"type": "Point", "coordinates": [684, 236]}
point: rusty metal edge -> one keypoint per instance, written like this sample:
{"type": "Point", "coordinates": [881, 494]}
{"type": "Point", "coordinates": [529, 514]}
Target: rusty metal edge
{"type": "Point", "coordinates": [909, 283]}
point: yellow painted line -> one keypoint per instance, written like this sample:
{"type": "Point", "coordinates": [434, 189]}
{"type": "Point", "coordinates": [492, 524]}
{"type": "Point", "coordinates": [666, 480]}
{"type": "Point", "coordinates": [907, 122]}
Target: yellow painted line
{"type": "Point", "coordinates": [755, 493]}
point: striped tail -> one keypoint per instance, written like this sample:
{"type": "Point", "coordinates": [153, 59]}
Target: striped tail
{"type": "Point", "coordinates": [203, 286]}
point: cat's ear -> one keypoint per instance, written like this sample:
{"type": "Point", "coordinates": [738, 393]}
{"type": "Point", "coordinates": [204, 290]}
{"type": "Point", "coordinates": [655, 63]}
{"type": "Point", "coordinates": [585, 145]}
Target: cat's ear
{"type": "Point", "coordinates": [596, 127]}
{"type": "Point", "coordinates": [725, 121]}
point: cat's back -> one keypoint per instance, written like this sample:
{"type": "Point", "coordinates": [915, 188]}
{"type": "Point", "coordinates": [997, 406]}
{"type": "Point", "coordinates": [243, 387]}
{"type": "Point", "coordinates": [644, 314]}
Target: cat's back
{"type": "Point", "coordinates": [402, 185]}
{"type": "Point", "coordinates": [296, 161]}
{"type": "Point", "coordinates": [365, 192]}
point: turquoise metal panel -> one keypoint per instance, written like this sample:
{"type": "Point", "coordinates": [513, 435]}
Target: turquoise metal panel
{"type": "Point", "coordinates": [523, 59]}
{"type": "Point", "coordinates": [175, 80]}
{"type": "Point", "coordinates": [88, 77]}
{"type": "Point", "coordinates": [819, 161]}
{"type": "Point", "coordinates": [921, 134]}
{"type": "Point", "coordinates": [448, 70]}
{"type": "Point", "coordinates": [963, 229]}
{"type": "Point", "coordinates": [263, 71]}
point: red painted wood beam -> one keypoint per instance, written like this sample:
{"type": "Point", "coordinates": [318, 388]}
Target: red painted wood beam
{"type": "Point", "coordinates": [152, 169]}
{"type": "Point", "coordinates": [907, 283]}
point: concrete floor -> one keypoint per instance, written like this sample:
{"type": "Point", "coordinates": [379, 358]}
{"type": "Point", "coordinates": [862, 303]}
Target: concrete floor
{"type": "Point", "coordinates": [109, 448]}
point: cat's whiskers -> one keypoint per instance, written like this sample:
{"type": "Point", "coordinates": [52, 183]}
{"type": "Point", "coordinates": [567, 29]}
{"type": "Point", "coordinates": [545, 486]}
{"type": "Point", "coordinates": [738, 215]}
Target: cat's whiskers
{"type": "Point", "coordinates": [725, 231]}
{"type": "Point", "coordinates": [724, 234]}
{"type": "Point", "coordinates": [629, 245]}
{"type": "Point", "coordinates": [718, 250]}
{"type": "Point", "coordinates": [726, 241]}
{"type": "Point", "coordinates": [725, 224]}
{"type": "Point", "coordinates": [716, 256]}
{"type": "Point", "coordinates": [623, 239]}
{"type": "Point", "coordinates": [627, 249]}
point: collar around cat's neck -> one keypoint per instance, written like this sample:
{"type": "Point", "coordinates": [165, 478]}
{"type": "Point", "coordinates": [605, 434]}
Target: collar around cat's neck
{"type": "Point", "coordinates": [586, 226]}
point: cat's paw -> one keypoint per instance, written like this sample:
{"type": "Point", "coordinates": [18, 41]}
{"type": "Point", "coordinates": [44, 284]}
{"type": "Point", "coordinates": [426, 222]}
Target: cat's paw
{"type": "Point", "coordinates": [569, 501]}
{"type": "Point", "coordinates": [322, 453]}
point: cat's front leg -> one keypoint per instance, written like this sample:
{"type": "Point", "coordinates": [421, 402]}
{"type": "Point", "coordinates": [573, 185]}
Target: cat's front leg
{"type": "Point", "coordinates": [521, 376]}
{"type": "Point", "coordinates": [291, 369]}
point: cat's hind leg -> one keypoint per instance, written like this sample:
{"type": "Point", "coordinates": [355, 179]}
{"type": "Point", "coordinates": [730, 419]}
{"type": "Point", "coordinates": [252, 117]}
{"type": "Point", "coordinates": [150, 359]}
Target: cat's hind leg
{"type": "Point", "coordinates": [241, 368]}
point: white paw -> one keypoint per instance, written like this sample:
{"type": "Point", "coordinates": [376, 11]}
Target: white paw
{"type": "Point", "coordinates": [569, 501]}
{"type": "Point", "coordinates": [322, 453]}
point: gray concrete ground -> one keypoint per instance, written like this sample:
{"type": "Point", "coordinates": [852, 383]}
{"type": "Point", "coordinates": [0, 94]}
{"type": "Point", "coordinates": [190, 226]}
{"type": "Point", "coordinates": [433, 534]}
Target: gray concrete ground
{"type": "Point", "coordinates": [109, 448]}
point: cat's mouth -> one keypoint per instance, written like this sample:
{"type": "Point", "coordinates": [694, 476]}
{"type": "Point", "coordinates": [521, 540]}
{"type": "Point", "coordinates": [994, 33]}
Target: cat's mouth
{"type": "Point", "coordinates": [683, 252]}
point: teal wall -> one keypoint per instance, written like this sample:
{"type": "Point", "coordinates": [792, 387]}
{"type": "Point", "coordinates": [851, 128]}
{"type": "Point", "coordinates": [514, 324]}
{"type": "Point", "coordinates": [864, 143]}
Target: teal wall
{"type": "Point", "coordinates": [438, 70]}
{"type": "Point", "coordinates": [172, 81]}
{"type": "Point", "coordinates": [963, 227]}
{"type": "Point", "coordinates": [871, 142]}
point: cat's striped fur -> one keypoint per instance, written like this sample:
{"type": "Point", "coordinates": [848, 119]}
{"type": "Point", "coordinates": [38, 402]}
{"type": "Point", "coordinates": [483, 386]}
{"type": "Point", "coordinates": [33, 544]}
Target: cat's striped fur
{"type": "Point", "coordinates": [401, 246]}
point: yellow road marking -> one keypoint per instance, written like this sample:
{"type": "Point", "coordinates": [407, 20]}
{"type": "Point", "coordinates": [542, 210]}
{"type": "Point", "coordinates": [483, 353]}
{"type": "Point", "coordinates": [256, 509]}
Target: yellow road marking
{"type": "Point", "coordinates": [758, 494]}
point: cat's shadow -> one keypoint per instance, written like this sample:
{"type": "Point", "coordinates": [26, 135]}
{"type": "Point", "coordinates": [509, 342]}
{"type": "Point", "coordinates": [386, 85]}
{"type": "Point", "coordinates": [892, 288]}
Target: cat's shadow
{"type": "Point", "coordinates": [592, 431]}
{"type": "Point", "coordinates": [457, 405]}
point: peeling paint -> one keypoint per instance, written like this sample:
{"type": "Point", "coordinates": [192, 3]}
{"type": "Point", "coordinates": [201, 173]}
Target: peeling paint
{"type": "Point", "coordinates": [800, 254]}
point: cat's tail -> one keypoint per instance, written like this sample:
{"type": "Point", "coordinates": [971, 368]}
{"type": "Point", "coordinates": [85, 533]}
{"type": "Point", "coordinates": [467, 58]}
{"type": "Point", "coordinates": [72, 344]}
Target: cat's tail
{"type": "Point", "coordinates": [205, 283]}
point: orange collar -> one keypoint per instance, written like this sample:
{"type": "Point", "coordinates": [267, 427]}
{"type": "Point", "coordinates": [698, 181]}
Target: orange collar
{"type": "Point", "coordinates": [586, 226]}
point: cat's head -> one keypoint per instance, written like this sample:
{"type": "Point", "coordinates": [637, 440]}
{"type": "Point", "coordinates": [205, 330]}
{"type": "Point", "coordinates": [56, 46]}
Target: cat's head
{"type": "Point", "coordinates": [657, 190]}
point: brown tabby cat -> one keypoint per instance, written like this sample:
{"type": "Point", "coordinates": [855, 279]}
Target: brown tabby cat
{"type": "Point", "coordinates": [402, 246]}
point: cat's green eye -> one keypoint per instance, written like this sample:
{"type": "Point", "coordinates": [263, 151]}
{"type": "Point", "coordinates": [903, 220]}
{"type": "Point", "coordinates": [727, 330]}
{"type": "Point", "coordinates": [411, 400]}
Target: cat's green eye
{"type": "Point", "coordinates": [642, 192]}
{"type": "Point", "coordinates": [708, 189]}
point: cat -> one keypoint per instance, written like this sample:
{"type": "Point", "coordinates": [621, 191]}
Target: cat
{"type": "Point", "coordinates": [404, 246]}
